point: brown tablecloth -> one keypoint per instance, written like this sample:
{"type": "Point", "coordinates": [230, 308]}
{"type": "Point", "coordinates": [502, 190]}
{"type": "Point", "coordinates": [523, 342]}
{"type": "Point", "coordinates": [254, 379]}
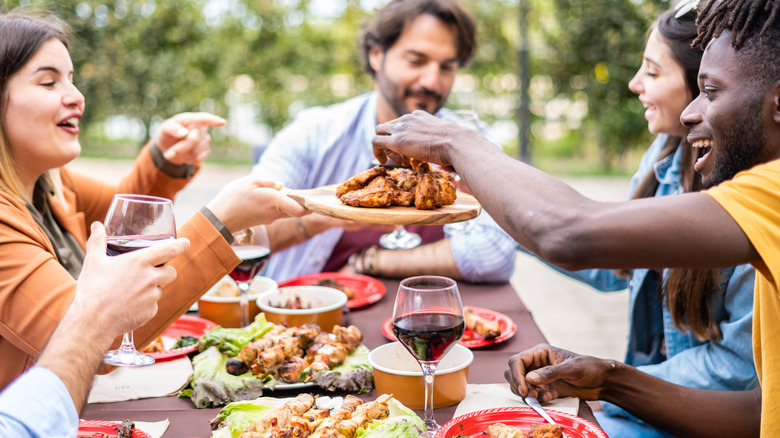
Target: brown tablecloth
{"type": "Point", "coordinates": [488, 366]}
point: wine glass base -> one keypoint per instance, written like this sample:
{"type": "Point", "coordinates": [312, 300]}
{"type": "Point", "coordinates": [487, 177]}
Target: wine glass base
{"type": "Point", "coordinates": [127, 358]}
{"type": "Point", "coordinates": [431, 426]}
{"type": "Point", "coordinates": [400, 240]}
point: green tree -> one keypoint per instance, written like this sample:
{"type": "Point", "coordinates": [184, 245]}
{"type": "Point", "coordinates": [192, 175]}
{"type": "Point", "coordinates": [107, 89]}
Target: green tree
{"type": "Point", "coordinates": [591, 51]}
{"type": "Point", "coordinates": [149, 59]}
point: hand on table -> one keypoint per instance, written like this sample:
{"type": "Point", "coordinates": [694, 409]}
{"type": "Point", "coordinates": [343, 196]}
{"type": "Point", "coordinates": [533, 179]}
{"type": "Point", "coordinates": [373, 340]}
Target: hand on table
{"type": "Point", "coordinates": [547, 372]}
{"type": "Point", "coordinates": [184, 138]}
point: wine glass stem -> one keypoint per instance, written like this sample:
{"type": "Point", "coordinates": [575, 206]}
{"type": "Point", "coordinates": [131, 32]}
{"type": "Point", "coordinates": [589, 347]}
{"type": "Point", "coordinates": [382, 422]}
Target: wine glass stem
{"type": "Point", "coordinates": [428, 370]}
{"type": "Point", "coordinates": [127, 342]}
{"type": "Point", "coordinates": [243, 299]}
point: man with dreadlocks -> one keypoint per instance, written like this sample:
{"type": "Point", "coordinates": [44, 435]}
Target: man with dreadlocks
{"type": "Point", "coordinates": [736, 120]}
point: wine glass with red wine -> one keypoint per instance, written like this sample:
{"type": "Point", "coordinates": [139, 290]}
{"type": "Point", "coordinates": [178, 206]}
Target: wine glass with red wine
{"type": "Point", "coordinates": [134, 222]}
{"type": "Point", "coordinates": [253, 257]}
{"type": "Point", "coordinates": [428, 321]}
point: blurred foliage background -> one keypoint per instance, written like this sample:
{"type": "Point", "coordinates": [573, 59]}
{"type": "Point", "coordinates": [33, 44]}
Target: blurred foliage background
{"type": "Point", "coordinates": [258, 62]}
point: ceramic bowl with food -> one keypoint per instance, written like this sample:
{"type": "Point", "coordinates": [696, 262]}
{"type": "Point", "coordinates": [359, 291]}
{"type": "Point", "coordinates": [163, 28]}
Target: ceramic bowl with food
{"type": "Point", "coordinates": [221, 303]}
{"type": "Point", "coordinates": [299, 305]}
{"type": "Point", "coordinates": [398, 373]}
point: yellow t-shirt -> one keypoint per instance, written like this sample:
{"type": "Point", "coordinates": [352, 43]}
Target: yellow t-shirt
{"type": "Point", "coordinates": [752, 198]}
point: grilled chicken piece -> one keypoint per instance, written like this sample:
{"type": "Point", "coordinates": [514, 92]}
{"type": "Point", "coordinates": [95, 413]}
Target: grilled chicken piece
{"type": "Point", "coordinates": [448, 192]}
{"type": "Point", "coordinates": [426, 192]}
{"type": "Point", "coordinates": [424, 188]}
{"type": "Point", "coordinates": [545, 430]}
{"type": "Point", "coordinates": [405, 179]}
{"type": "Point", "coordinates": [501, 430]}
{"type": "Point", "coordinates": [481, 326]}
{"type": "Point", "coordinates": [378, 193]}
{"type": "Point", "coordinates": [360, 180]}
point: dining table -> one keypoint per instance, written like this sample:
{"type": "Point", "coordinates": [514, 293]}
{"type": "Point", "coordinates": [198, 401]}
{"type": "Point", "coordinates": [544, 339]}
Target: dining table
{"type": "Point", "coordinates": [489, 363]}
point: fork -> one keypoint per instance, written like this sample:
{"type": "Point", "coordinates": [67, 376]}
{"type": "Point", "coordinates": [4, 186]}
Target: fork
{"type": "Point", "coordinates": [536, 406]}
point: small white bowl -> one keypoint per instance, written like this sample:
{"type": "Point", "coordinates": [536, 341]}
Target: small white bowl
{"type": "Point", "coordinates": [323, 306]}
{"type": "Point", "coordinates": [398, 373]}
{"type": "Point", "coordinates": [226, 310]}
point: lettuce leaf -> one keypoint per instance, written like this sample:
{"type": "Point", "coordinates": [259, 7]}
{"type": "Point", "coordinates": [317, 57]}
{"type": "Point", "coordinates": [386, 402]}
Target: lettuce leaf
{"type": "Point", "coordinates": [237, 416]}
{"type": "Point", "coordinates": [213, 386]}
{"type": "Point", "coordinates": [230, 340]}
{"type": "Point", "coordinates": [401, 423]}
{"type": "Point", "coordinates": [354, 375]}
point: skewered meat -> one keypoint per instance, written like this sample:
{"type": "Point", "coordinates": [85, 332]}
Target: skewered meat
{"type": "Point", "coordinates": [280, 418]}
{"type": "Point", "coordinates": [295, 354]}
{"type": "Point", "coordinates": [290, 371]}
{"type": "Point", "coordinates": [484, 327]}
{"type": "Point", "coordinates": [349, 336]}
{"type": "Point", "coordinates": [236, 366]}
{"type": "Point", "coordinates": [364, 414]}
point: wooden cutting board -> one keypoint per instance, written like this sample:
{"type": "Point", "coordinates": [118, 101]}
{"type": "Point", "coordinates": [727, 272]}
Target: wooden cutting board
{"type": "Point", "coordinates": [323, 200]}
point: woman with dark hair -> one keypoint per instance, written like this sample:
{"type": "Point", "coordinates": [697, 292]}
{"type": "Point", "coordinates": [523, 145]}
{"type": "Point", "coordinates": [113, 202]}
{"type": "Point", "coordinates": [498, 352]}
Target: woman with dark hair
{"type": "Point", "coordinates": [46, 209]}
{"type": "Point", "coordinates": [687, 326]}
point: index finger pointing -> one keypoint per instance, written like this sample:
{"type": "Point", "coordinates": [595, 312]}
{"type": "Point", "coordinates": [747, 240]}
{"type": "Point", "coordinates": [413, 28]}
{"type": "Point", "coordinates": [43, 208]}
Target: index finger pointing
{"type": "Point", "coordinates": [199, 120]}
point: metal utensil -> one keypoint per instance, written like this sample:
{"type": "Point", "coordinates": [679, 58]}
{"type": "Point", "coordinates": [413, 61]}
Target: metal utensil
{"type": "Point", "coordinates": [536, 406]}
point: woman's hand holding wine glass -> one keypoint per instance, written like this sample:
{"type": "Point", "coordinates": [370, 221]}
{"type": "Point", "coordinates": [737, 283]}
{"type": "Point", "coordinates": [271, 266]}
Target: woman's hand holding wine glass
{"type": "Point", "coordinates": [428, 321]}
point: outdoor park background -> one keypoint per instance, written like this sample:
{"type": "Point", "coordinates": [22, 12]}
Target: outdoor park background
{"type": "Point", "coordinates": [258, 62]}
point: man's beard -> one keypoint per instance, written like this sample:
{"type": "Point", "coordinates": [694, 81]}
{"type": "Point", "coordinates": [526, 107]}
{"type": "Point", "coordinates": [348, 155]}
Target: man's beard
{"type": "Point", "coordinates": [744, 146]}
{"type": "Point", "coordinates": [396, 97]}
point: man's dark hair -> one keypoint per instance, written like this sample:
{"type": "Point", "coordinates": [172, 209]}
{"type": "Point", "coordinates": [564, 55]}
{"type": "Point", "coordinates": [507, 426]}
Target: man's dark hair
{"type": "Point", "coordinates": [388, 24]}
{"type": "Point", "coordinates": [755, 33]}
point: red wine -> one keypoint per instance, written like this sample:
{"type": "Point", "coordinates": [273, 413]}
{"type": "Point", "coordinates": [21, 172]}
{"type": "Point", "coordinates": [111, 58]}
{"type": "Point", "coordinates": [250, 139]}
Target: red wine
{"type": "Point", "coordinates": [253, 260]}
{"type": "Point", "coordinates": [123, 244]}
{"type": "Point", "coordinates": [428, 336]}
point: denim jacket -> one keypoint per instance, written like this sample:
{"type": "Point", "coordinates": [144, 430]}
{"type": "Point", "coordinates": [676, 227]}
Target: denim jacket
{"type": "Point", "coordinates": [655, 346]}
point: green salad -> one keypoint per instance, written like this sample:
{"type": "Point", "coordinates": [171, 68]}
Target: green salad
{"type": "Point", "coordinates": [237, 416]}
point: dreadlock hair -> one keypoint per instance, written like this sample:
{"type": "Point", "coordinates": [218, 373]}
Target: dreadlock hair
{"type": "Point", "coordinates": [754, 26]}
{"type": "Point", "coordinates": [741, 17]}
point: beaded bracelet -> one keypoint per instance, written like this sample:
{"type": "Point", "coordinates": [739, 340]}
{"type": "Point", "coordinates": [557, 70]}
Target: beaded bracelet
{"type": "Point", "coordinates": [363, 262]}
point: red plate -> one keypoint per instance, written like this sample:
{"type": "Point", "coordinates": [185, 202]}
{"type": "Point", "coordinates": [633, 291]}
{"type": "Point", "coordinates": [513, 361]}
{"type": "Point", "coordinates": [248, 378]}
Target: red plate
{"type": "Point", "coordinates": [94, 428]}
{"type": "Point", "coordinates": [470, 339]}
{"type": "Point", "coordinates": [368, 290]}
{"type": "Point", "coordinates": [475, 423]}
{"type": "Point", "coordinates": [185, 326]}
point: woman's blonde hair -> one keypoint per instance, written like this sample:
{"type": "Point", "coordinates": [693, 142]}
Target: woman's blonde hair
{"type": "Point", "coordinates": [21, 36]}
